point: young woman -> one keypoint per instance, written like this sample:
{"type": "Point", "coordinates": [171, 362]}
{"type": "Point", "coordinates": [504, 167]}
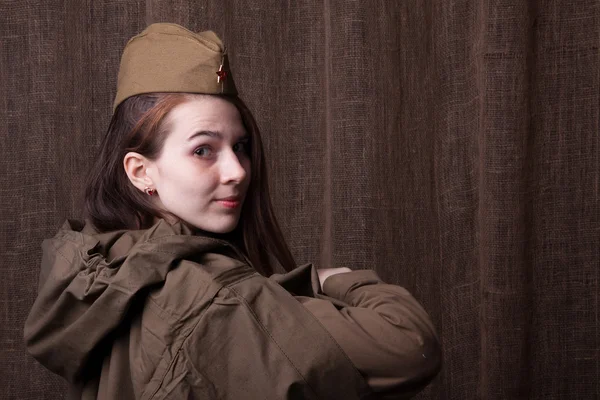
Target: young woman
{"type": "Point", "coordinates": [167, 290]}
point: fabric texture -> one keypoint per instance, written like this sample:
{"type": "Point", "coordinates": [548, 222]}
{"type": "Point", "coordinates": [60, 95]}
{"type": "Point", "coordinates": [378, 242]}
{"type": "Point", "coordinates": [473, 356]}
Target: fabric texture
{"type": "Point", "coordinates": [452, 145]}
{"type": "Point", "coordinates": [166, 314]}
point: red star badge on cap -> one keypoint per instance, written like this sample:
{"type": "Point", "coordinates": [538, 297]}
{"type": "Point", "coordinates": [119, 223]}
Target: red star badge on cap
{"type": "Point", "coordinates": [221, 74]}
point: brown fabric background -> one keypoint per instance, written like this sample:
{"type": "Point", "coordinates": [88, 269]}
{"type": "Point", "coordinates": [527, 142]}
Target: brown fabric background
{"type": "Point", "coordinates": [451, 145]}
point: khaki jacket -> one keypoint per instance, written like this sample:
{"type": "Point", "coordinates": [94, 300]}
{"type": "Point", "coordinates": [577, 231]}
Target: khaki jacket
{"type": "Point", "coordinates": [165, 314]}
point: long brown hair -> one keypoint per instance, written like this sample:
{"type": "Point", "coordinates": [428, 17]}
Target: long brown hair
{"type": "Point", "coordinates": [113, 203]}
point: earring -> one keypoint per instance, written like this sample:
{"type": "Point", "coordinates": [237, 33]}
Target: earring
{"type": "Point", "coordinates": [149, 191]}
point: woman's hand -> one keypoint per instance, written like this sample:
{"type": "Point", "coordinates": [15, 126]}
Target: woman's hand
{"type": "Point", "coordinates": [325, 273]}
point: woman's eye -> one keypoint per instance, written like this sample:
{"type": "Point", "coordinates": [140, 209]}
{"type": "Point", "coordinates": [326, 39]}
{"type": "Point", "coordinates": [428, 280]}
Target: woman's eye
{"type": "Point", "coordinates": [203, 152]}
{"type": "Point", "coordinates": [241, 147]}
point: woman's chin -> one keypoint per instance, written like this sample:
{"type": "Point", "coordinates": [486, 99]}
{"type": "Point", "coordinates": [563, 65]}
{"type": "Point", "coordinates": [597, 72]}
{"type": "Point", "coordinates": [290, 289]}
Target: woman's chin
{"type": "Point", "coordinates": [218, 227]}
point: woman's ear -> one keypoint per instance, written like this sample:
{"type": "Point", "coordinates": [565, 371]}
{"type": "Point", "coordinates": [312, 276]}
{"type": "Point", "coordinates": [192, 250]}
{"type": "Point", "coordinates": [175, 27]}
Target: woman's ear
{"type": "Point", "coordinates": [136, 166]}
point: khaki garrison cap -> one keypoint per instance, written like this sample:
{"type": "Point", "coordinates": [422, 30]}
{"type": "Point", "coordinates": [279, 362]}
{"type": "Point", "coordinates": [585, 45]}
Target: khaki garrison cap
{"type": "Point", "coordinates": [169, 58]}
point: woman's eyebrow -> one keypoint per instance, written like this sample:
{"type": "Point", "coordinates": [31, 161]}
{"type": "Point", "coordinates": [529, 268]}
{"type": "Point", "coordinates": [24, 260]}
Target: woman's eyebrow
{"type": "Point", "coordinates": [215, 134]}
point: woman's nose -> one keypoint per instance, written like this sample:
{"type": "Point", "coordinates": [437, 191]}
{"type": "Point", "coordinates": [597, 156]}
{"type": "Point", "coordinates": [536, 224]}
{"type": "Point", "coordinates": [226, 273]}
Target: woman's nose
{"type": "Point", "coordinates": [232, 169]}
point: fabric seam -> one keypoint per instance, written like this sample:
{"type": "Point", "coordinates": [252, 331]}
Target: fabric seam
{"type": "Point", "coordinates": [203, 42]}
{"type": "Point", "coordinates": [366, 385]}
{"type": "Point", "coordinates": [264, 329]}
{"type": "Point", "coordinates": [184, 339]}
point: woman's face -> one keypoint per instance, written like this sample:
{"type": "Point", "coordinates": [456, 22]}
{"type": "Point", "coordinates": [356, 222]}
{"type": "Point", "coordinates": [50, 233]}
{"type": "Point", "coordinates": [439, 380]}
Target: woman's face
{"type": "Point", "coordinates": [203, 171]}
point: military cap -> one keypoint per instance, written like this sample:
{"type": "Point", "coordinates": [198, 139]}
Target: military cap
{"type": "Point", "coordinates": [167, 57]}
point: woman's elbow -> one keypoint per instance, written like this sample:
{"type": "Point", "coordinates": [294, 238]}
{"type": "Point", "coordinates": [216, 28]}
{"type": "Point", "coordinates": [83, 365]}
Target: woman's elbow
{"type": "Point", "coordinates": [410, 370]}
{"type": "Point", "coordinates": [427, 359]}
{"type": "Point", "coordinates": [422, 363]}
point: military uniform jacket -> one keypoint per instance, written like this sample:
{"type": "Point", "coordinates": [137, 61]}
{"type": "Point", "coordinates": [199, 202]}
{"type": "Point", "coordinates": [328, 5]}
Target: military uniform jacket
{"type": "Point", "coordinates": [166, 314]}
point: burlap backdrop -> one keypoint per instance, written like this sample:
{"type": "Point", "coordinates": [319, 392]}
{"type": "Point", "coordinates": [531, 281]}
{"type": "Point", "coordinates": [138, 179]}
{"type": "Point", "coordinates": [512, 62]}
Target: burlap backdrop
{"type": "Point", "coordinates": [451, 145]}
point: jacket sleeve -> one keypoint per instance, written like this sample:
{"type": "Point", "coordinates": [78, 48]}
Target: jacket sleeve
{"type": "Point", "coordinates": [384, 331]}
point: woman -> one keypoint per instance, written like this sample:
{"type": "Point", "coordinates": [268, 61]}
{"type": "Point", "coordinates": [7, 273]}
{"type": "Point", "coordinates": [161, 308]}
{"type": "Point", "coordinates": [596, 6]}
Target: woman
{"type": "Point", "coordinates": [162, 293]}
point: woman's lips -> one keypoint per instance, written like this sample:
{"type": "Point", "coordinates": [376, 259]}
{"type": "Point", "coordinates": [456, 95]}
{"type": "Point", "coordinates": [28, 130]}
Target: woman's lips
{"type": "Point", "coordinates": [229, 203]}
